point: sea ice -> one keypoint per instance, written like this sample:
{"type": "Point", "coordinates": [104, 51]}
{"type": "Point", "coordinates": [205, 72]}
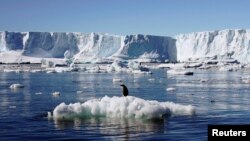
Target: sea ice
{"type": "Point", "coordinates": [121, 107]}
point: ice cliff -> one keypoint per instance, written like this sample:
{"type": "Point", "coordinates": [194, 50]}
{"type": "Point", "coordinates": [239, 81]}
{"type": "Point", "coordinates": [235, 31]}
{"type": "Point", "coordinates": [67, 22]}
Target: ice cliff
{"type": "Point", "coordinates": [88, 47]}
{"type": "Point", "coordinates": [91, 47]}
{"type": "Point", "coordinates": [224, 43]}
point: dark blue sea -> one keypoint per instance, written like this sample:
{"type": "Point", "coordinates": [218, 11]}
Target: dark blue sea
{"type": "Point", "coordinates": [218, 97]}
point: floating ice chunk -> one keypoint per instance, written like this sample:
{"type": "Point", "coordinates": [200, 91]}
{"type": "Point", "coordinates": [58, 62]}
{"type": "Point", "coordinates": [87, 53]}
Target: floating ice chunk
{"type": "Point", "coordinates": [203, 80]}
{"type": "Point", "coordinates": [118, 66]}
{"type": "Point", "coordinates": [170, 65]}
{"type": "Point", "coordinates": [180, 72]}
{"type": "Point", "coordinates": [141, 72]}
{"type": "Point", "coordinates": [246, 79]}
{"type": "Point", "coordinates": [62, 69]}
{"type": "Point", "coordinates": [193, 65]}
{"type": "Point", "coordinates": [121, 107]}
{"type": "Point", "coordinates": [117, 80]}
{"type": "Point", "coordinates": [171, 89]}
{"type": "Point", "coordinates": [94, 69]}
{"type": "Point", "coordinates": [79, 92]}
{"type": "Point", "coordinates": [151, 79]}
{"type": "Point", "coordinates": [16, 86]}
{"type": "Point", "coordinates": [50, 70]}
{"type": "Point", "coordinates": [231, 67]}
{"type": "Point", "coordinates": [56, 94]}
{"type": "Point", "coordinates": [36, 70]}
{"type": "Point", "coordinates": [223, 68]}
{"type": "Point", "coordinates": [204, 67]}
{"type": "Point", "coordinates": [136, 66]}
{"type": "Point", "coordinates": [38, 93]}
{"type": "Point", "coordinates": [49, 115]}
{"type": "Point", "coordinates": [12, 107]}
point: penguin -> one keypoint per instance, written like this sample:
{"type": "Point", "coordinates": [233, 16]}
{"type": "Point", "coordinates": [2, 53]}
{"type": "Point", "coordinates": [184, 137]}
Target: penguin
{"type": "Point", "coordinates": [124, 90]}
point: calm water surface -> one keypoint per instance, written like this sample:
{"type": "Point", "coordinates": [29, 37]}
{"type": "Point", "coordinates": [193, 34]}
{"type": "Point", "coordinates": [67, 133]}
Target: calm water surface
{"type": "Point", "coordinates": [23, 112]}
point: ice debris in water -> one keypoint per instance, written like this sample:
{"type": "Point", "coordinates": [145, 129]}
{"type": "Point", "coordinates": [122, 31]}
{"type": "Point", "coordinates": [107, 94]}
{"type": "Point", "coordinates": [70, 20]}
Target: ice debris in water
{"type": "Point", "coordinates": [117, 80]}
{"type": "Point", "coordinates": [171, 89]}
{"type": "Point", "coordinates": [16, 86]}
{"type": "Point", "coordinates": [56, 93]}
{"type": "Point", "coordinates": [120, 107]}
{"type": "Point", "coordinates": [180, 72]}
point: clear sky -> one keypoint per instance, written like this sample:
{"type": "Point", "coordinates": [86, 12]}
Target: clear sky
{"type": "Point", "coordinates": [155, 17]}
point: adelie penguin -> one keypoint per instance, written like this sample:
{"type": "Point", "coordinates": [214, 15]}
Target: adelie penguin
{"type": "Point", "coordinates": [124, 90]}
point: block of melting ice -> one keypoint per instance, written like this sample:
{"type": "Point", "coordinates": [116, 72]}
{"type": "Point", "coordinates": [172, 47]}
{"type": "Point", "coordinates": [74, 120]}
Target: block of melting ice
{"type": "Point", "coordinates": [246, 79]}
{"type": "Point", "coordinates": [180, 72]}
{"type": "Point", "coordinates": [171, 89]}
{"type": "Point", "coordinates": [16, 86]}
{"type": "Point", "coordinates": [56, 94]}
{"type": "Point", "coordinates": [117, 80]}
{"type": "Point", "coordinates": [120, 107]}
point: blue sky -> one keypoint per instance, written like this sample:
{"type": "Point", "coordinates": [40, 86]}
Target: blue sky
{"type": "Point", "coordinates": [155, 17]}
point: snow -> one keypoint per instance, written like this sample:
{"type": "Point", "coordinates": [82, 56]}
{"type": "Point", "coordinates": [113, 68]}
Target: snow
{"type": "Point", "coordinates": [120, 107]}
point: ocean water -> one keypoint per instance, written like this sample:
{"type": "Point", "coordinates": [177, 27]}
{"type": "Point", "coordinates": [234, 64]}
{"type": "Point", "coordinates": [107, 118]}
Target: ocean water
{"type": "Point", "coordinates": [218, 98]}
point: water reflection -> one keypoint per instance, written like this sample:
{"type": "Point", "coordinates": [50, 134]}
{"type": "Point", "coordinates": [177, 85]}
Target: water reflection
{"type": "Point", "coordinates": [121, 128]}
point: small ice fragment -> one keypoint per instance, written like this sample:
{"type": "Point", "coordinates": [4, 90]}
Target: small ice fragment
{"type": "Point", "coordinates": [117, 80]}
{"type": "Point", "coordinates": [171, 89]}
{"type": "Point", "coordinates": [16, 86]}
{"type": "Point", "coordinates": [56, 93]}
{"type": "Point", "coordinates": [38, 93]}
{"type": "Point", "coordinates": [49, 115]}
{"type": "Point", "coordinates": [78, 92]}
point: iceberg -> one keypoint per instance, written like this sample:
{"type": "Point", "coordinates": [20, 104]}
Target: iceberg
{"type": "Point", "coordinates": [120, 107]}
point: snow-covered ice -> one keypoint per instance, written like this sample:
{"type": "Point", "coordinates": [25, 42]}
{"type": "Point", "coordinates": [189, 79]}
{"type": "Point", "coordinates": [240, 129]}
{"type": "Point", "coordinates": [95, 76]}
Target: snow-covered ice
{"type": "Point", "coordinates": [125, 53]}
{"type": "Point", "coordinates": [84, 48]}
{"type": "Point", "coordinates": [120, 107]}
{"type": "Point", "coordinates": [222, 44]}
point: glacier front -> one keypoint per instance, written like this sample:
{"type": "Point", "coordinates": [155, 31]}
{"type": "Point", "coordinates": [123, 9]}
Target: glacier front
{"type": "Point", "coordinates": [99, 47]}
{"type": "Point", "coordinates": [224, 43]}
{"type": "Point", "coordinates": [89, 47]}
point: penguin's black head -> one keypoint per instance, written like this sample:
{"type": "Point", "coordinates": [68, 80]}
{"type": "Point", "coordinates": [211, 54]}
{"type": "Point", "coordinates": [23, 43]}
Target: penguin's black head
{"type": "Point", "coordinates": [122, 85]}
